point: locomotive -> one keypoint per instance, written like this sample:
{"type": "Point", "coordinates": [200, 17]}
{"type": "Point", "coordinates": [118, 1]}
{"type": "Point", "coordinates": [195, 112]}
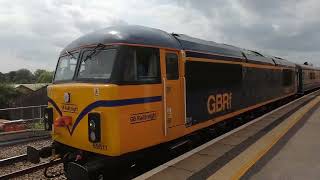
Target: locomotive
{"type": "Point", "coordinates": [124, 89]}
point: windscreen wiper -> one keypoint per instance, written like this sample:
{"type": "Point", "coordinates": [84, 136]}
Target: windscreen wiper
{"type": "Point", "coordinates": [69, 54]}
{"type": "Point", "coordinates": [89, 56]}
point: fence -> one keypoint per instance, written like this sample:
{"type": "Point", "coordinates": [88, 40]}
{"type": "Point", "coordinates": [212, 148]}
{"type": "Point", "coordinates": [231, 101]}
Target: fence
{"type": "Point", "coordinates": [30, 115]}
{"type": "Point", "coordinates": [25, 113]}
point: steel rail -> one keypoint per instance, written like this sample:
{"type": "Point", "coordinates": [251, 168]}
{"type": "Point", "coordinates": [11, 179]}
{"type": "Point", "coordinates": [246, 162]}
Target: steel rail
{"type": "Point", "coordinates": [30, 169]}
{"type": "Point", "coordinates": [13, 159]}
{"type": "Point", "coordinates": [24, 140]}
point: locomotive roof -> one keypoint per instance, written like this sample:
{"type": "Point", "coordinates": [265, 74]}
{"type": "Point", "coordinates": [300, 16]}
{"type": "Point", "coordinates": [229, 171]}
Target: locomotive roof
{"type": "Point", "coordinates": [283, 62]}
{"type": "Point", "coordinates": [134, 34]}
{"type": "Point", "coordinates": [130, 34]}
{"type": "Point", "coordinates": [256, 57]}
{"type": "Point", "coordinates": [308, 67]}
{"type": "Point", "coordinates": [194, 44]}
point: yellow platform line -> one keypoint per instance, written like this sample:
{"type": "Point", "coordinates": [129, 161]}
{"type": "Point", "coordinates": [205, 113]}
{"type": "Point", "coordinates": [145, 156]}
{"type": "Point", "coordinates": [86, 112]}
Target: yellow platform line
{"type": "Point", "coordinates": [238, 166]}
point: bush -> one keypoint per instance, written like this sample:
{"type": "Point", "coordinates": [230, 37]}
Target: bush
{"type": "Point", "coordinates": [7, 93]}
{"type": "Point", "coordinates": [45, 77]}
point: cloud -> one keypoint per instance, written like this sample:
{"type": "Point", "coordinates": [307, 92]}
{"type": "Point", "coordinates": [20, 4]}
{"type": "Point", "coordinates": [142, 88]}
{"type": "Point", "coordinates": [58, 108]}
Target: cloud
{"type": "Point", "coordinates": [33, 32]}
{"type": "Point", "coordinates": [288, 28]}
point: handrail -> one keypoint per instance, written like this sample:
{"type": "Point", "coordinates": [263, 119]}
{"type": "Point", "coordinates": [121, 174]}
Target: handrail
{"type": "Point", "coordinates": [165, 105]}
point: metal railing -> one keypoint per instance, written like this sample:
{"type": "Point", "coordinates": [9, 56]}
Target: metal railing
{"type": "Point", "coordinates": [32, 116]}
{"type": "Point", "coordinates": [25, 113]}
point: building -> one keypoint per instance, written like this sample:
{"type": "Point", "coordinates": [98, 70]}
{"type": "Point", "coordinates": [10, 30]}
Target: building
{"type": "Point", "coordinates": [29, 88]}
{"type": "Point", "coordinates": [29, 95]}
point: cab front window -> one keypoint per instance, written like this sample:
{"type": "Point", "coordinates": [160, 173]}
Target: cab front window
{"type": "Point", "coordinates": [116, 64]}
{"type": "Point", "coordinates": [97, 64]}
{"type": "Point", "coordinates": [66, 67]}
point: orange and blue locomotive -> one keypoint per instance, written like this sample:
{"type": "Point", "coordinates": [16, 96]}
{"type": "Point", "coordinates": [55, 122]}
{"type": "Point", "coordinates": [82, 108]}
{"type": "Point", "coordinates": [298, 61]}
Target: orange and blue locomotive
{"type": "Point", "coordinates": [124, 89]}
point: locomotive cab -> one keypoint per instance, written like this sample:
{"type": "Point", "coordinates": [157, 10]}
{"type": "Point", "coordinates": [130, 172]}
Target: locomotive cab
{"type": "Point", "coordinates": [109, 98]}
{"type": "Point", "coordinates": [113, 95]}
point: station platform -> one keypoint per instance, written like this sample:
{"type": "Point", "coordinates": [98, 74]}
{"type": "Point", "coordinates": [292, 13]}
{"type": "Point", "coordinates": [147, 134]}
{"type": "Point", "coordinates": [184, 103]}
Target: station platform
{"type": "Point", "coordinates": [295, 156]}
{"type": "Point", "coordinates": [282, 144]}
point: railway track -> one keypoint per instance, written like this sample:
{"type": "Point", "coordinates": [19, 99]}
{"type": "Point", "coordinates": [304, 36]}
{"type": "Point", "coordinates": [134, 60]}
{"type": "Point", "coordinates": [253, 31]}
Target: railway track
{"type": "Point", "coordinates": [24, 140]}
{"type": "Point", "coordinates": [30, 169]}
{"type": "Point", "coordinates": [12, 138]}
{"type": "Point", "coordinates": [17, 165]}
{"type": "Point", "coordinates": [13, 159]}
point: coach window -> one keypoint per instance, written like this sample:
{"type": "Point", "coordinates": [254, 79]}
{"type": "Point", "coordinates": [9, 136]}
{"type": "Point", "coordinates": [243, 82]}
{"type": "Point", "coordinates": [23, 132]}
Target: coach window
{"type": "Point", "coordinates": [312, 75]}
{"type": "Point", "coordinates": [287, 77]}
{"type": "Point", "coordinates": [172, 66]}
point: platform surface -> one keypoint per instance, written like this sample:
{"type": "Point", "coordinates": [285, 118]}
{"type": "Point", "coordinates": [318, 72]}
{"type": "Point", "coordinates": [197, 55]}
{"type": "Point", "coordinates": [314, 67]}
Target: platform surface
{"type": "Point", "coordinates": [298, 158]}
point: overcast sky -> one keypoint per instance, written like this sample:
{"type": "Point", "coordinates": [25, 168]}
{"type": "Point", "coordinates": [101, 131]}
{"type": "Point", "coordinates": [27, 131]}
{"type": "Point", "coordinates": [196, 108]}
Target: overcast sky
{"type": "Point", "coordinates": [32, 32]}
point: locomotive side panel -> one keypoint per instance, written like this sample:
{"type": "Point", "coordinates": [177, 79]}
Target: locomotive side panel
{"type": "Point", "coordinates": [218, 89]}
{"type": "Point", "coordinates": [310, 78]}
{"type": "Point", "coordinates": [140, 124]}
{"type": "Point", "coordinates": [212, 90]}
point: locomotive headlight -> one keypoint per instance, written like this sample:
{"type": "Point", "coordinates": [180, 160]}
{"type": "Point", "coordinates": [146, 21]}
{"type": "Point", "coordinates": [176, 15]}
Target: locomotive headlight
{"type": "Point", "coordinates": [94, 127]}
{"type": "Point", "coordinates": [92, 136]}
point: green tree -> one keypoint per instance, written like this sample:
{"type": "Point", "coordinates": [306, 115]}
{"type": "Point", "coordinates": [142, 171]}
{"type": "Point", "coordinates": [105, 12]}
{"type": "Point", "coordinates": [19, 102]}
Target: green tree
{"type": "Point", "coordinates": [23, 76]}
{"type": "Point", "coordinates": [7, 93]}
{"type": "Point", "coordinates": [45, 77]}
{"type": "Point", "coordinates": [38, 73]}
{"type": "Point", "coordinates": [2, 78]}
{"type": "Point", "coordinates": [11, 76]}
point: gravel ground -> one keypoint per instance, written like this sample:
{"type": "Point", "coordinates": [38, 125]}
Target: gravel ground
{"type": "Point", "coordinates": [39, 174]}
{"type": "Point", "coordinates": [14, 167]}
{"type": "Point", "coordinates": [35, 175]}
{"type": "Point", "coordinates": [9, 151]}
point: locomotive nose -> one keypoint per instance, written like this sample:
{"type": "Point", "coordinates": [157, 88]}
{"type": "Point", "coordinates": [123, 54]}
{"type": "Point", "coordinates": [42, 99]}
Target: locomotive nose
{"type": "Point", "coordinates": [63, 121]}
{"type": "Point", "coordinates": [80, 115]}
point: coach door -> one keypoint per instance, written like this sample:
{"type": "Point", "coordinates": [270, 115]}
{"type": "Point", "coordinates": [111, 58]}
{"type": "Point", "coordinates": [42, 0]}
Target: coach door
{"type": "Point", "coordinates": [172, 90]}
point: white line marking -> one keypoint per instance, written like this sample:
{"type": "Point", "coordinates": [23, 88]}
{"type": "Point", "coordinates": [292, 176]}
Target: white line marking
{"type": "Point", "coordinates": [190, 153]}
